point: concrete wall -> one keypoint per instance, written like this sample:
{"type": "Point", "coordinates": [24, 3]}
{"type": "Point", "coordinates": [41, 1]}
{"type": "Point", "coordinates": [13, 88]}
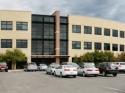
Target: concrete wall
{"type": "Point", "coordinates": [22, 16]}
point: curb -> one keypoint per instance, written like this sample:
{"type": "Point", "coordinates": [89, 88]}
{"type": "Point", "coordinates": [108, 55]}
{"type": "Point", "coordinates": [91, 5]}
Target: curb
{"type": "Point", "coordinates": [18, 70]}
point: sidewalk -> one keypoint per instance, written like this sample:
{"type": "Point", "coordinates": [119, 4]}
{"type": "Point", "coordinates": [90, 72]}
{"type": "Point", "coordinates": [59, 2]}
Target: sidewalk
{"type": "Point", "coordinates": [17, 70]}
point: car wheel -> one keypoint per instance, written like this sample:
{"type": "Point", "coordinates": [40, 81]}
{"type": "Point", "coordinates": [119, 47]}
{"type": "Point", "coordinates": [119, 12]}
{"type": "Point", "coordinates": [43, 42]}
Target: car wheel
{"type": "Point", "coordinates": [54, 73]}
{"type": "Point", "coordinates": [74, 76]}
{"type": "Point", "coordinates": [61, 74]}
{"type": "Point", "coordinates": [95, 75]}
{"type": "Point", "coordinates": [51, 73]}
{"type": "Point", "coordinates": [115, 74]}
{"type": "Point", "coordinates": [6, 70]}
{"type": "Point", "coordinates": [83, 74]}
{"type": "Point", "coordinates": [104, 74]}
{"type": "Point", "coordinates": [46, 72]}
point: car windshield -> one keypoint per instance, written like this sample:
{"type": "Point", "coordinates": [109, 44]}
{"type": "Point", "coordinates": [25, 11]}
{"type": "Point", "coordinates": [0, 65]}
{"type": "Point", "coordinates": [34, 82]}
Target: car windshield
{"type": "Point", "coordinates": [73, 64]}
{"type": "Point", "coordinates": [68, 66]}
{"type": "Point", "coordinates": [89, 65]}
{"type": "Point", "coordinates": [2, 63]}
{"type": "Point", "coordinates": [112, 65]}
{"type": "Point", "coordinates": [32, 63]}
{"type": "Point", "coordinates": [54, 65]}
{"type": "Point", "coordinates": [42, 65]}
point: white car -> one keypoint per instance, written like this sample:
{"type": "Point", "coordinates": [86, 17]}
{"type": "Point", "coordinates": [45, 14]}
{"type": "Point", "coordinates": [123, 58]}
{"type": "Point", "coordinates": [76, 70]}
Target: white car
{"type": "Point", "coordinates": [65, 70]}
{"type": "Point", "coordinates": [42, 67]}
{"type": "Point", "coordinates": [51, 68]}
{"type": "Point", "coordinates": [121, 66]}
{"type": "Point", "coordinates": [88, 69]}
{"type": "Point", "coordinates": [31, 67]}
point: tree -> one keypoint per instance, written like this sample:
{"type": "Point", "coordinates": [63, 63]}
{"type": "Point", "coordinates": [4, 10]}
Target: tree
{"type": "Point", "coordinates": [97, 57]}
{"type": "Point", "coordinates": [121, 57]}
{"type": "Point", "coordinates": [108, 56]}
{"type": "Point", "coordinates": [14, 56]}
{"type": "Point", "coordinates": [2, 57]}
{"type": "Point", "coordinates": [88, 57]}
{"type": "Point", "coordinates": [76, 59]}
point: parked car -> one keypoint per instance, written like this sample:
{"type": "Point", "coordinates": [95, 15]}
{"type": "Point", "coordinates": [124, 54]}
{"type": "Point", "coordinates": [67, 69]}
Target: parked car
{"type": "Point", "coordinates": [121, 66]}
{"type": "Point", "coordinates": [65, 70]}
{"type": "Point", "coordinates": [42, 67]}
{"type": "Point", "coordinates": [88, 69]}
{"type": "Point", "coordinates": [106, 68]}
{"type": "Point", "coordinates": [3, 66]}
{"type": "Point", "coordinates": [31, 67]}
{"type": "Point", "coordinates": [51, 68]}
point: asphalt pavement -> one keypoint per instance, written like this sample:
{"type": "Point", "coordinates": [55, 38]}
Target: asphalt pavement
{"type": "Point", "coordinates": [40, 82]}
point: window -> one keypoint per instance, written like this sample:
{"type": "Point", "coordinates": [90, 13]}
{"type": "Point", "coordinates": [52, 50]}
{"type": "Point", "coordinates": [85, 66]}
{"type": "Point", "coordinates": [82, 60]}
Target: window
{"type": "Point", "coordinates": [21, 25]}
{"type": "Point", "coordinates": [6, 25]}
{"type": "Point", "coordinates": [121, 47]}
{"type": "Point", "coordinates": [115, 33]}
{"type": "Point", "coordinates": [48, 47]}
{"type": "Point", "coordinates": [6, 43]}
{"type": "Point", "coordinates": [63, 32]}
{"type": "Point", "coordinates": [87, 30]}
{"type": "Point", "coordinates": [48, 19]}
{"type": "Point", "coordinates": [48, 31]}
{"type": "Point", "coordinates": [98, 31]}
{"type": "Point", "coordinates": [122, 34]}
{"type": "Point", "coordinates": [21, 43]}
{"type": "Point", "coordinates": [63, 20]}
{"type": "Point", "coordinates": [106, 32]}
{"type": "Point", "coordinates": [115, 47]}
{"type": "Point", "coordinates": [76, 28]}
{"type": "Point", "coordinates": [76, 45]}
{"type": "Point", "coordinates": [98, 46]}
{"type": "Point", "coordinates": [37, 47]}
{"type": "Point", "coordinates": [63, 47]}
{"type": "Point", "coordinates": [87, 45]}
{"type": "Point", "coordinates": [106, 46]}
{"type": "Point", "coordinates": [37, 31]}
{"type": "Point", "coordinates": [37, 18]}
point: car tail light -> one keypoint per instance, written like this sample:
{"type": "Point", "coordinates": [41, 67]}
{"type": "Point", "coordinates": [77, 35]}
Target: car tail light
{"type": "Point", "coordinates": [89, 70]}
{"type": "Point", "coordinates": [66, 69]}
{"type": "Point", "coordinates": [96, 70]}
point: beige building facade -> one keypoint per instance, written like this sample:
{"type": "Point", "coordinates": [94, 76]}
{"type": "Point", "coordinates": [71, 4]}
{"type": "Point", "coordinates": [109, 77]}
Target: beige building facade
{"type": "Point", "coordinates": [15, 31]}
{"type": "Point", "coordinates": [87, 34]}
{"type": "Point", "coordinates": [55, 38]}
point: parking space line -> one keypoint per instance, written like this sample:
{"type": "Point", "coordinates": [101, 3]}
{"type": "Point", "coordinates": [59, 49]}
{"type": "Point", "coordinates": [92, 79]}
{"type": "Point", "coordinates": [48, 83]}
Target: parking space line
{"type": "Point", "coordinates": [115, 89]}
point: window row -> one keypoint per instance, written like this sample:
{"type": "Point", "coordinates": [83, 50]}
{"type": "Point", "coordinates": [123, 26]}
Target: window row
{"type": "Point", "coordinates": [48, 19]}
{"type": "Point", "coordinates": [97, 46]}
{"type": "Point", "coordinates": [42, 47]}
{"type": "Point", "coordinates": [98, 31]}
{"type": "Point", "coordinates": [46, 31]}
{"type": "Point", "coordinates": [8, 25]}
{"type": "Point", "coordinates": [20, 43]}
{"type": "Point", "coordinates": [47, 47]}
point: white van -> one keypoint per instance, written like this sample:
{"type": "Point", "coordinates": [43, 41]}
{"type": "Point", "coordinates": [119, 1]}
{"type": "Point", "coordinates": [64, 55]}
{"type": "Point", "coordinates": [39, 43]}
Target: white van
{"type": "Point", "coordinates": [121, 66]}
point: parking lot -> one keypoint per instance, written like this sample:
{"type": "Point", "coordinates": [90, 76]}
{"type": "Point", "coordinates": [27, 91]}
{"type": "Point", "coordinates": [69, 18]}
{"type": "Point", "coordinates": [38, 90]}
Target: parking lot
{"type": "Point", "coordinates": [40, 82]}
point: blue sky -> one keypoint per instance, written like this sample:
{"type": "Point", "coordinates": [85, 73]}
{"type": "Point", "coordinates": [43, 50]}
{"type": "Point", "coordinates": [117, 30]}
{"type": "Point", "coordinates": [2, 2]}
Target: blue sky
{"type": "Point", "coordinates": [107, 9]}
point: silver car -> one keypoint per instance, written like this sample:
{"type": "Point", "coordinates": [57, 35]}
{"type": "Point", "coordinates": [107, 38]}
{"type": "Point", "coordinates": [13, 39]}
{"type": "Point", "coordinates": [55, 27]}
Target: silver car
{"type": "Point", "coordinates": [31, 67]}
{"type": "Point", "coordinates": [51, 68]}
{"type": "Point", "coordinates": [42, 67]}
